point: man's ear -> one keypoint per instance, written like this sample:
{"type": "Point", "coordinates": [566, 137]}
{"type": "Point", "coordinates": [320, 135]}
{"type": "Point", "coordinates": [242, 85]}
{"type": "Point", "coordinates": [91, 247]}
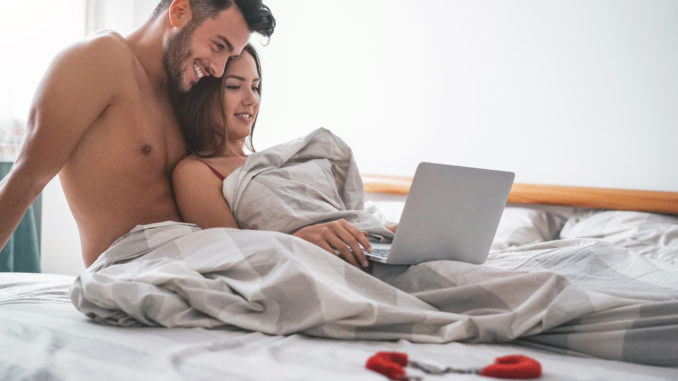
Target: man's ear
{"type": "Point", "coordinates": [180, 13]}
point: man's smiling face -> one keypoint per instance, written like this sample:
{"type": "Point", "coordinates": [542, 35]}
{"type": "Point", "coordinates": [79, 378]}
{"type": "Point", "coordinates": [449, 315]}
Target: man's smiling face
{"type": "Point", "coordinates": [193, 52]}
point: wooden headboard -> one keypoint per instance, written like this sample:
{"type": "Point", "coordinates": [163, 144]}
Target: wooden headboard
{"type": "Point", "coordinates": [582, 197]}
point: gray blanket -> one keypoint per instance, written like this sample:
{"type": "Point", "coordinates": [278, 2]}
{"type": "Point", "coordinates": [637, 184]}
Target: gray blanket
{"type": "Point", "coordinates": [306, 181]}
{"type": "Point", "coordinates": [574, 296]}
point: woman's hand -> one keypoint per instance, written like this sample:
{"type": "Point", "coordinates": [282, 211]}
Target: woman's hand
{"type": "Point", "coordinates": [338, 236]}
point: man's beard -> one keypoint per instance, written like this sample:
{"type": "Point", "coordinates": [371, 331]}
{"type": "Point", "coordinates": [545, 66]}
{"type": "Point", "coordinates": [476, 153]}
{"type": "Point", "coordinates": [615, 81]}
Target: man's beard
{"type": "Point", "coordinates": [177, 50]}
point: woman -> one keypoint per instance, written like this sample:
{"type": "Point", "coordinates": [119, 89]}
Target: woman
{"type": "Point", "coordinates": [218, 118]}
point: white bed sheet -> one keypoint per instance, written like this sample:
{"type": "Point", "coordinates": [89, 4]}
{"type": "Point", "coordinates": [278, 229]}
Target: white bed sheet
{"type": "Point", "coordinates": [44, 337]}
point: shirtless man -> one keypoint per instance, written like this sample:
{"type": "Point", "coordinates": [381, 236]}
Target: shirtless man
{"type": "Point", "coordinates": [102, 118]}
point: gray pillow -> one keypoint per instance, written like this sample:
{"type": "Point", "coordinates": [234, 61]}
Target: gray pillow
{"type": "Point", "coordinates": [648, 234]}
{"type": "Point", "coordinates": [526, 225]}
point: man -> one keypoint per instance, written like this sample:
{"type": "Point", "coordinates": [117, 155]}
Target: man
{"type": "Point", "coordinates": [102, 117]}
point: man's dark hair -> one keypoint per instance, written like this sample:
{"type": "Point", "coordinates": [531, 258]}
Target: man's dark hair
{"type": "Point", "coordinates": [258, 16]}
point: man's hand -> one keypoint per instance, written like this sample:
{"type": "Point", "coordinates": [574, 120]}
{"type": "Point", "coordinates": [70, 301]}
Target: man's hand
{"type": "Point", "coordinates": [341, 236]}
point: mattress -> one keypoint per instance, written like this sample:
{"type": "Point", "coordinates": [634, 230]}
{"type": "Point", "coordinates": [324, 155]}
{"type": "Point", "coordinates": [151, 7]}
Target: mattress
{"type": "Point", "coordinates": [44, 337]}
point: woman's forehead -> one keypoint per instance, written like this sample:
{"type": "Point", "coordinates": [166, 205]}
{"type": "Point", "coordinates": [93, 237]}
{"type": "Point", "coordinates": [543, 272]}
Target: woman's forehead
{"type": "Point", "coordinates": [242, 65]}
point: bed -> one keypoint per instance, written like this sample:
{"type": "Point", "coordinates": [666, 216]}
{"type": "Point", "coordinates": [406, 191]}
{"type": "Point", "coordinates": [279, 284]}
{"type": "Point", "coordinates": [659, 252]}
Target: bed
{"type": "Point", "coordinates": [44, 337]}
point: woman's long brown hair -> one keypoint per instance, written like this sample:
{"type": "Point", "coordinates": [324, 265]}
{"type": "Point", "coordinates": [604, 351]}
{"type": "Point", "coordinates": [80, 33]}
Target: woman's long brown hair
{"type": "Point", "coordinates": [202, 116]}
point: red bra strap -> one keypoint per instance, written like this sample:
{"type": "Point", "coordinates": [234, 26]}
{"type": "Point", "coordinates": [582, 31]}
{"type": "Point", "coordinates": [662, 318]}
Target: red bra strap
{"type": "Point", "coordinates": [219, 175]}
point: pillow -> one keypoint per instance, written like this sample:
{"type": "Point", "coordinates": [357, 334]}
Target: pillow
{"type": "Point", "coordinates": [388, 212]}
{"type": "Point", "coordinates": [527, 225]}
{"type": "Point", "coordinates": [648, 234]}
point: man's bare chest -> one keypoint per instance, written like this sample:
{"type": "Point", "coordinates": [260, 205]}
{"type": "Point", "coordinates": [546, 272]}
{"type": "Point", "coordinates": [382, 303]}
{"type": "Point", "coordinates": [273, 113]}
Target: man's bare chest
{"type": "Point", "coordinates": [138, 129]}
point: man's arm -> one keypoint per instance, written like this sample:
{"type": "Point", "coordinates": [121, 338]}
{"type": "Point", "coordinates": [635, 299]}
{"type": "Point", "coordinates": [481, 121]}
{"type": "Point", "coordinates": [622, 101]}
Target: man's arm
{"type": "Point", "coordinates": [79, 85]}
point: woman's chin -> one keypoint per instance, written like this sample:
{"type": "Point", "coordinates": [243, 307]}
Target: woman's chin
{"type": "Point", "coordinates": [239, 130]}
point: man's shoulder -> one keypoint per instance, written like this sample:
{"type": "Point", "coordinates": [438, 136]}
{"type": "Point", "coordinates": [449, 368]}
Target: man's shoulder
{"type": "Point", "coordinates": [107, 39]}
{"type": "Point", "coordinates": [105, 47]}
{"type": "Point", "coordinates": [103, 63]}
{"type": "Point", "coordinates": [105, 55]}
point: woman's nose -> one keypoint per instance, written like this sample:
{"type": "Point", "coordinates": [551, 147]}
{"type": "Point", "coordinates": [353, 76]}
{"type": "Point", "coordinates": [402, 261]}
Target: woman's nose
{"type": "Point", "coordinates": [250, 97]}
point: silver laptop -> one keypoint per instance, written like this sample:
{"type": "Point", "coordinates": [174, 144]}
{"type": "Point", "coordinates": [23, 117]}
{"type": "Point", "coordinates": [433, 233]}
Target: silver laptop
{"type": "Point", "coordinates": [450, 213]}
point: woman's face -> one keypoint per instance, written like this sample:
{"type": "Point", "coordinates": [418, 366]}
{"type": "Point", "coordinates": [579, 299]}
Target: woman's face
{"type": "Point", "coordinates": [241, 95]}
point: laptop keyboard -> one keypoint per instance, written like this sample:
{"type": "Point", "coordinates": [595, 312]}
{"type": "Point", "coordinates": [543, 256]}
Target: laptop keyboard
{"type": "Point", "coordinates": [379, 254]}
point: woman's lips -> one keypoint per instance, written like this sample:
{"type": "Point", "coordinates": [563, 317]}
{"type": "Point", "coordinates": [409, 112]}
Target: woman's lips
{"type": "Point", "coordinates": [244, 116]}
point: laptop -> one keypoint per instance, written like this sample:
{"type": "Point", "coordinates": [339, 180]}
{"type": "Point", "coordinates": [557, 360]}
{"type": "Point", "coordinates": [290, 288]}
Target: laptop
{"type": "Point", "coordinates": [450, 213]}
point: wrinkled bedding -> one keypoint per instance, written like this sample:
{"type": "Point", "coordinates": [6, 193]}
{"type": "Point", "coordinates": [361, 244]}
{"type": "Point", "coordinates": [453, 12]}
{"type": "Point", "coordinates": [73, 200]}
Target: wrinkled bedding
{"type": "Point", "coordinates": [310, 180]}
{"type": "Point", "coordinates": [45, 337]}
{"type": "Point", "coordinates": [604, 302]}
{"type": "Point", "coordinates": [574, 295]}
{"type": "Point", "coordinates": [649, 235]}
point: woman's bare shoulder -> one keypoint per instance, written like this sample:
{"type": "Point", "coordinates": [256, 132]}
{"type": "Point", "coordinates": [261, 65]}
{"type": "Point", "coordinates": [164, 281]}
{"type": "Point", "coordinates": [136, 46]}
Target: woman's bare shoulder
{"type": "Point", "coordinates": [189, 164]}
{"type": "Point", "coordinates": [192, 169]}
{"type": "Point", "coordinates": [228, 164]}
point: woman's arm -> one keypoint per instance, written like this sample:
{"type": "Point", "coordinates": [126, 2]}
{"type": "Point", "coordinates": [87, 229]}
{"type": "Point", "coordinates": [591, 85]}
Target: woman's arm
{"type": "Point", "coordinates": [198, 194]}
{"type": "Point", "coordinates": [200, 200]}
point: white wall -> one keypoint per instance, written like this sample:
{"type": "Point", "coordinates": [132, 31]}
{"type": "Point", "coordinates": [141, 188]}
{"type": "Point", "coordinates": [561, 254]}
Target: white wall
{"type": "Point", "coordinates": [123, 16]}
{"type": "Point", "coordinates": [569, 92]}
{"type": "Point", "coordinates": [572, 92]}
{"type": "Point", "coordinates": [30, 36]}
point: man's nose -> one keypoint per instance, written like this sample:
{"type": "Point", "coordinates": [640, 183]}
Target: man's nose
{"type": "Point", "coordinates": [217, 67]}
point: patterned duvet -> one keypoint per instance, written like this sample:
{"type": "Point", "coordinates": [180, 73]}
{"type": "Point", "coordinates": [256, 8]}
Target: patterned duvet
{"type": "Point", "coordinates": [597, 295]}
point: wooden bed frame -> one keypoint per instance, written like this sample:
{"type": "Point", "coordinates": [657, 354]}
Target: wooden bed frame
{"type": "Point", "coordinates": [582, 197]}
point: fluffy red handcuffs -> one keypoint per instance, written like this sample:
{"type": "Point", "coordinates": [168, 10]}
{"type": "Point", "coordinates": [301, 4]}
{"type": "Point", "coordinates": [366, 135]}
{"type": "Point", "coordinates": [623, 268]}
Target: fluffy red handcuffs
{"type": "Point", "coordinates": [392, 365]}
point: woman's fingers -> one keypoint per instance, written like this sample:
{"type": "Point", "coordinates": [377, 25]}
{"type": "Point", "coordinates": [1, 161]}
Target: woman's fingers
{"type": "Point", "coordinates": [325, 246]}
{"type": "Point", "coordinates": [343, 249]}
{"type": "Point", "coordinates": [339, 237]}
{"type": "Point", "coordinates": [315, 235]}
{"type": "Point", "coordinates": [355, 239]}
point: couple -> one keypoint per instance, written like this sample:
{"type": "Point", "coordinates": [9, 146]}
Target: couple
{"type": "Point", "coordinates": [103, 120]}
{"type": "Point", "coordinates": [218, 118]}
